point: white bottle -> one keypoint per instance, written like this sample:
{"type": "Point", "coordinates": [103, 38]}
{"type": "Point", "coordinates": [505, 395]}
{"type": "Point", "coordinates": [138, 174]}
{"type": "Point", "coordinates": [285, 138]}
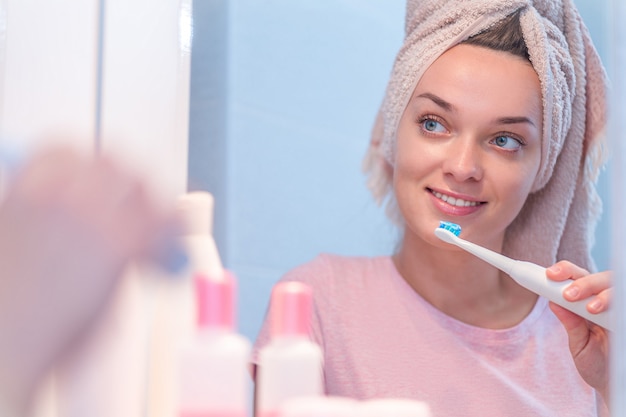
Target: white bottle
{"type": "Point", "coordinates": [173, 308]}
{"type": "Point", "coordinates": [196, 211]}
{"type": "Point", "coordinates": [214, 380]}
{"type": "Point", "coordinates": [290, 365]}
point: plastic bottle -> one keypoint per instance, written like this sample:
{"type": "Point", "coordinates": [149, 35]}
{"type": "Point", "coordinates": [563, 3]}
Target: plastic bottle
{"type": "Point", "coordinates": [196, 211]}
{"type": "Point", "coordinates": [290, 365]}
{"type": "Point", "coordinates": [214, 378]}
{"type": "Point", "coordinates": [173, 309]}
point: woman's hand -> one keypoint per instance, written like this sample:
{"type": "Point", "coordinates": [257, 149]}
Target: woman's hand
{"type": "Point", "coordinates": [588, 342]}
{"type": "Point", "coordinates": [69, 224]}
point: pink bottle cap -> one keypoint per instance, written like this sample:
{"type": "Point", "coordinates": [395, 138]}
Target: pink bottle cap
{"type": "Point", "coordinates": [291, 309]}
{"type": "Point", "coordinates": [215, 300]}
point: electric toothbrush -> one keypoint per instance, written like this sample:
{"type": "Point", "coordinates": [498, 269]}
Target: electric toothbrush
{"type": "Point", "coordinates": [527, 274]}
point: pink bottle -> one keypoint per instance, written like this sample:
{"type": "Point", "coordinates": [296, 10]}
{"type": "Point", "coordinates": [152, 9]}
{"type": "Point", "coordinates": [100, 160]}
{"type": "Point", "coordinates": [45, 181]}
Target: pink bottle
{"type": "Point", "coordinates": [290, 365]}
{"type": "Point", "coordinates": [214, 376]}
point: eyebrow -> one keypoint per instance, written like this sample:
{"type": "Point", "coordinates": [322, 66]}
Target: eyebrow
{"type": "Point", "coordinates": [514, 120]}
{"type": "Point", "coordinates": [449, 107]}
{"type": "Point", "coordinates": [438, 101]}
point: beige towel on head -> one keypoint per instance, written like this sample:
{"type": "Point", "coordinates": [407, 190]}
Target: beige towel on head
{"type": "Point", "coordinates": [558, 220]}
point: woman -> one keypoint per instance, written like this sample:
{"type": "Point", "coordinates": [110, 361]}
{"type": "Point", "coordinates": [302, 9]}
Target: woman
{"type": "Point", "coordinates": [490, 121]}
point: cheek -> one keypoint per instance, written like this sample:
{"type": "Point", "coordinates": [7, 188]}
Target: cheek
{"type": "Point", "coordinates": [412, 171]}
{"type": "Point", "coordinates": [412, 165]}
{"type": "Point", "coordinates": [414, 158]}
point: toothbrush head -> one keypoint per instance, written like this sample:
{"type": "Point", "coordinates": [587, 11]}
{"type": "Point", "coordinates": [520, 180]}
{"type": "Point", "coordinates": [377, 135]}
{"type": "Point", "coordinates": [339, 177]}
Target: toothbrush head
{"type": "Point", "coordinates": [452, 227]}
{"type": "Point", "coordinates": [448, 231]}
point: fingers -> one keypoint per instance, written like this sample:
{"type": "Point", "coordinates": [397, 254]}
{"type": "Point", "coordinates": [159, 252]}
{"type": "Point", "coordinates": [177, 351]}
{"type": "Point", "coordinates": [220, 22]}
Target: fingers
{"type": "Point", "coordinates": [572, 323]}
{"type": "Point", "coordinates": [44, 174]}
{"type": "Point", "coordinates": [563, 270]}
{"type": "Point", "coordinates": [126, 212]}
{"type": "Point", "coordinates": [70, 224]}
{"type": "Point", "coordinates": [102, 200]}
{"type": "Point", "coordinates": [589, 346]}
{"type": "Point", "coordinates": [578, 329]}
{"type": "Point", "coordinates": [595, 287]}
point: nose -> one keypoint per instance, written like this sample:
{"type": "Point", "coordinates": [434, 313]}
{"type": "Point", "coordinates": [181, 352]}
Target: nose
{"type": "Point", "coordinates": [463, 161]}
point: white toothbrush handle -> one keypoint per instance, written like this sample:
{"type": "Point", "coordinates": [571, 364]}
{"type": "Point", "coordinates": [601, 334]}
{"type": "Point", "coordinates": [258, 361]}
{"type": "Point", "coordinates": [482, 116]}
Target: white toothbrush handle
{"type": "Point", "coordinates": [533, 277]}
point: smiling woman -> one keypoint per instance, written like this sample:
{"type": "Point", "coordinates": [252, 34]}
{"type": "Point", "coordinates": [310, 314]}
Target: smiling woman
{"type": "Point", "coordinates": [469, 145]}
{"type": "Point", "coordinates": [483, 126]}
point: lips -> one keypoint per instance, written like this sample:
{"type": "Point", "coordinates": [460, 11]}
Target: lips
{"type": "Point", "coordinates": [455, 201]}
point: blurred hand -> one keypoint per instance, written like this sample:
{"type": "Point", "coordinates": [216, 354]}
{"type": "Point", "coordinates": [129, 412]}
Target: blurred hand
{"type": "Point", "coordinates": [588, 342]}
{"type": "Point", "coordinates": [69, 224]}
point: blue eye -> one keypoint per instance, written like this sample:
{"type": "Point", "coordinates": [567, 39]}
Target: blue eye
{"type": "Point", "coordinates": [507, 142]}
{"type": "Point", "coordinates": [431, 125]}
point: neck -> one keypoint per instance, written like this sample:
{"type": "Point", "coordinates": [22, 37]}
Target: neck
{"type": "Point", "coordinates": [461, 285]}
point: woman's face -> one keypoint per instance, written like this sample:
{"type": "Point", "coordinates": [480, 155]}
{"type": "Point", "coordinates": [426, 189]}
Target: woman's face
{"type": "Point", "coordinates": [469, 144]}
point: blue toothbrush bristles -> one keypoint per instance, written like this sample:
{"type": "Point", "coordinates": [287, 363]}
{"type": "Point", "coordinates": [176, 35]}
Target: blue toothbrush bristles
{"type": "Point", "coordinates": [451, 227]}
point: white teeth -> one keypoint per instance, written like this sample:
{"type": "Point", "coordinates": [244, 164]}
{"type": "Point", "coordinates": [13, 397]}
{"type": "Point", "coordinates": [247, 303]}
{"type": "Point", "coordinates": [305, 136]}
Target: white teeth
{"type": "Point", "coordinates": [455, 201]}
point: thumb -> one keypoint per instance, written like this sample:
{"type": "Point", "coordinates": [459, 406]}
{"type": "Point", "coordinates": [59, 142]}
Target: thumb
{"type": "Point", "coordinates": [577, 328]}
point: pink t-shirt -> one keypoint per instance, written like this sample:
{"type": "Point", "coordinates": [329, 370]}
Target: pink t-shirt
{"type": "Point", "coordinates": [381, 339]}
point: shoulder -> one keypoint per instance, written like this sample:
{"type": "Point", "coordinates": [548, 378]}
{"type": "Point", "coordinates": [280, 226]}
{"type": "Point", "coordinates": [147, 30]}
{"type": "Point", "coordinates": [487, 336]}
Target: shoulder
{"type": "Point", "coordinates": [335, 278]}
{"type": "Point", "coordinates": [329, 268]}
